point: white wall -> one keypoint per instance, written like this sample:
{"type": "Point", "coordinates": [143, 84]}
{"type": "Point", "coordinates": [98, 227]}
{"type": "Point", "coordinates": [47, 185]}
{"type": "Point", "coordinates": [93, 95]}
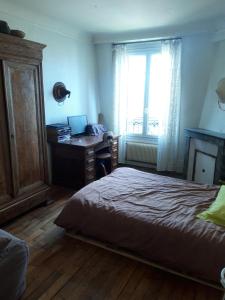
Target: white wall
{"type": "Point", "coordinates": [105, 81]}
{"type": "Point", "coordinates": [197, 52]}
{"type": "Point", "coordinates": [68, 57]}
{"type": "Point", "coordinates": [212, 117]}
{"type": "Point", "coordinates": [197, 59]}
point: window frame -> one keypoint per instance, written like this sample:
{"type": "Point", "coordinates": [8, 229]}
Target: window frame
{"type": "Point", "coordinates": [148, 49]}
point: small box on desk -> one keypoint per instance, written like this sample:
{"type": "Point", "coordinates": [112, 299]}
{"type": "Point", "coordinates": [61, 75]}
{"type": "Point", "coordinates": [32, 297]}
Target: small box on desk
{"type": "Point", "coordinates": [58, 132]}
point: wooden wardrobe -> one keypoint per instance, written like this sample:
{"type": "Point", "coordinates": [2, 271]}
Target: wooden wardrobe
{"type": "Point", "coordinates": [23, 155]}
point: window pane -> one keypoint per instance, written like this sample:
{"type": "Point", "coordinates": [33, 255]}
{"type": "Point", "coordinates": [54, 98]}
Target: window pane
{"type": "Point", "coordinates": [136, 92]}
{"type": "Point", "coordinates": [154, 96]}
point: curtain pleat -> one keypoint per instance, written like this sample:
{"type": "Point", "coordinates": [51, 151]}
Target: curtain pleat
{"type": "Point", "coordinates": [170, 77]}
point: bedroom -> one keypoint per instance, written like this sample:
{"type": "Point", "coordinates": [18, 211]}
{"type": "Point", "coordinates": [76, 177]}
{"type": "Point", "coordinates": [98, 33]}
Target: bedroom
{"type": "Point", "coordinates": [79, 54]}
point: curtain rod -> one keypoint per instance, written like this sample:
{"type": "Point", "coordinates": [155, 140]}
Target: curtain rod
{"type": "Point", "coordinates": [153, 40]}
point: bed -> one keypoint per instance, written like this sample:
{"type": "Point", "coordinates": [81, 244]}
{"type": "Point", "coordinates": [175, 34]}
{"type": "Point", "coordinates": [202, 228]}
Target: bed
{"type": "Point", "coordinates": [151, 217]}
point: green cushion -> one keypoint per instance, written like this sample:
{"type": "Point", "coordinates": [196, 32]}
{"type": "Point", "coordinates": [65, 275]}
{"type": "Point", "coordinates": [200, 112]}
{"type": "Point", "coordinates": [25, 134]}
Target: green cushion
{"type": "Point", "coordinates": [216, 212]}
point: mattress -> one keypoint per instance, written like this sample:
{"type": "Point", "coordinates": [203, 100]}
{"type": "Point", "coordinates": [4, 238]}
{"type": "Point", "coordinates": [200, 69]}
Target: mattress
{"type": "Point", "coordinates": [154, 217]}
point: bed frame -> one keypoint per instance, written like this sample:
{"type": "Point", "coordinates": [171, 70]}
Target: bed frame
{"type": "Point", "coordinates": [130, 255]}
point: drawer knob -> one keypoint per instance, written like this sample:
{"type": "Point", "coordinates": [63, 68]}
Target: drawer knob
{"type": "Point", "coordinates": [90, 160]}
{"type": "Point", "coordinates": [90, 152]}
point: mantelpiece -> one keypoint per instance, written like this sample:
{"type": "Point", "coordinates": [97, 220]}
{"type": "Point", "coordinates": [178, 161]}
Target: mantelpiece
{"type": "Point", "coordinates": [204, 156]}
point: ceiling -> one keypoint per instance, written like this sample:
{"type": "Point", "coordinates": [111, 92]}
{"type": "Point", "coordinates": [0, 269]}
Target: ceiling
{"type": "Point", "coordinates": [115, 16]}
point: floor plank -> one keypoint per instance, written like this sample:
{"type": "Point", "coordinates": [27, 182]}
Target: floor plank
{"type": "Point", "coordinates": [62, 268]}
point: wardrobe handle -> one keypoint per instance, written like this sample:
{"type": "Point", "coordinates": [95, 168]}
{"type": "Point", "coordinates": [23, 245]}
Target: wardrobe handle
{"type": "Point", "coordinates": [12, 136]}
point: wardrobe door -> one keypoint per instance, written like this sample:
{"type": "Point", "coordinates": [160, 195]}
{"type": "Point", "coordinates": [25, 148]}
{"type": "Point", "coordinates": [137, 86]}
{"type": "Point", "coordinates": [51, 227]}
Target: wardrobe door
{"type": "Point", "coordinates": [6, 189]}
{"type": "Point", "coordinates": [22, 89]}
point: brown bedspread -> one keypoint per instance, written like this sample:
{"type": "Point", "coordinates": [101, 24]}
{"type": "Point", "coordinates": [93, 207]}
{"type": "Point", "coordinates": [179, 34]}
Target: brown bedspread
{"type": "Point", "coordinates": [153, 216]}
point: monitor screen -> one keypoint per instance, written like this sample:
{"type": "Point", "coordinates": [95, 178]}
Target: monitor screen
{"type": "Point", "coordinates": [77, 124]}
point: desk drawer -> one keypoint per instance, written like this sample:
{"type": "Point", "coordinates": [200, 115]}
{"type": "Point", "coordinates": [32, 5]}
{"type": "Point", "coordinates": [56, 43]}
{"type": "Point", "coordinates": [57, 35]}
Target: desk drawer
{"type": "Point", "coordinates": [90, 161]}
{"type": "Point", "coordinates": [114, 157]}
{"type": "Point", "coordinates": [114, 151]}
{"type": "Point", "coordinates": [89, 157]}
{"type": "Point", "coordinates": [90, 152]}
{"type": "Point", "coordinates": [114, 142]}
{"type": "Point", "coordinates": [114, 164]}
{"type": "Point", "coordinates": [90, 172]}
{"type": "Point", "coordinates": [90, 177]}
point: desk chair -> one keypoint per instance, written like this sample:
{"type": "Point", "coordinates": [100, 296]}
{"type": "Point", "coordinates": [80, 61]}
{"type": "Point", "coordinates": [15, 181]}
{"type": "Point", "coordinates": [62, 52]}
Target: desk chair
{"type": "Point", "coordinates": [103, 156]}
{"type": "Point", "coordinates": [103, 164]}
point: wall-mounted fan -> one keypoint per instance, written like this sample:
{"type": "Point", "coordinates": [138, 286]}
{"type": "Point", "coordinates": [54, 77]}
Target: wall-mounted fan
{"type": "Point", "coordinates": [60, 92]}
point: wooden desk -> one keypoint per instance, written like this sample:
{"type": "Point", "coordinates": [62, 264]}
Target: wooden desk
{"type": "Point", "coordinates": [73, 161]}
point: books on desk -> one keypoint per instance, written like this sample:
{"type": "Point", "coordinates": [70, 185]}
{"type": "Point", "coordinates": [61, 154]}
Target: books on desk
{"type": "Point", "coordinates": [58, 132]}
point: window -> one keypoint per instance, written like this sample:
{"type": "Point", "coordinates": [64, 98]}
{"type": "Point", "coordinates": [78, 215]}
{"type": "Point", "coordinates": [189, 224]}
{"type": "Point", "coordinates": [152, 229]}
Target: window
{"type": "Point", "coordinates": [146, 106]}
{"type": "Point", "coordinates": [143, 89]}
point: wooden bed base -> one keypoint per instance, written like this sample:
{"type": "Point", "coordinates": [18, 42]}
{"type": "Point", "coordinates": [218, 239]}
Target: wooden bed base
{"type": "Point", "coordinates": [122, 252]}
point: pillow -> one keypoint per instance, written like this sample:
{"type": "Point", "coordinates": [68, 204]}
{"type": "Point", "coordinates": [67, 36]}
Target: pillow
{"type": "Point", "coordinates": [216, 212]}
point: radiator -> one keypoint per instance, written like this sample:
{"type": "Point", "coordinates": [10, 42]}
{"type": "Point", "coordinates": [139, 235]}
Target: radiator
{"type": "Point", "coordinates": [141, 152]}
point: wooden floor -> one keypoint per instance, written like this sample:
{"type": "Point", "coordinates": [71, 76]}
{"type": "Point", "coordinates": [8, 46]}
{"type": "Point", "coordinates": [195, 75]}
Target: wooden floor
{"type": "Point", "coordinates": [63, 268]}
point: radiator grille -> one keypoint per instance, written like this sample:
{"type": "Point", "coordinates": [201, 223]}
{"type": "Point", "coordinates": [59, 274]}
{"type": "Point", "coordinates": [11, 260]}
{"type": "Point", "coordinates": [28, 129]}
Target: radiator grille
{"type": "Point", "coordinates": [141, 152]}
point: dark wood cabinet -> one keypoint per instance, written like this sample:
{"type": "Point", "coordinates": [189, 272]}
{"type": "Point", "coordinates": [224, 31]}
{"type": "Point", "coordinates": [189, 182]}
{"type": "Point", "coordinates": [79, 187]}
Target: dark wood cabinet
{"type": "Point", "coordinates": [23, 156]}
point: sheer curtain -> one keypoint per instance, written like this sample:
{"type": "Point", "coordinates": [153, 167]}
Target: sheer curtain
{"type": "Point", "coordinates": [168, 145]}
{"type": "Point", "coordinates": [120, 63]}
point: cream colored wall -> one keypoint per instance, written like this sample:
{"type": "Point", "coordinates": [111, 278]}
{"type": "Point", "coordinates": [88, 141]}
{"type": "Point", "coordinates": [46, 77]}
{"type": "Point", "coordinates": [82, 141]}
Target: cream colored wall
{"type": "Point", "coordinates": [212, 118]}
{"type": "Point", "coordinates": [68, 57]}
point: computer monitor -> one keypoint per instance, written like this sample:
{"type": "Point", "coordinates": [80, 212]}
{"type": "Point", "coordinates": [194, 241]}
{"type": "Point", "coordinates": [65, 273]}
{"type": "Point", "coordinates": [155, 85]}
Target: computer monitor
{"type": "Point", "coordinates": [77, 124]}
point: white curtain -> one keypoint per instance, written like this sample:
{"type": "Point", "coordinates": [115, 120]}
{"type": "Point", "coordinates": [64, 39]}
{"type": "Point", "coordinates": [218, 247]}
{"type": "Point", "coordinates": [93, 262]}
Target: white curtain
{"type": "Point", "coordinates": [120, 63]}
{"type": "Point", "coordinates": [168, 145]}
{"type": "Point", "coordinates": [169, 76]}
